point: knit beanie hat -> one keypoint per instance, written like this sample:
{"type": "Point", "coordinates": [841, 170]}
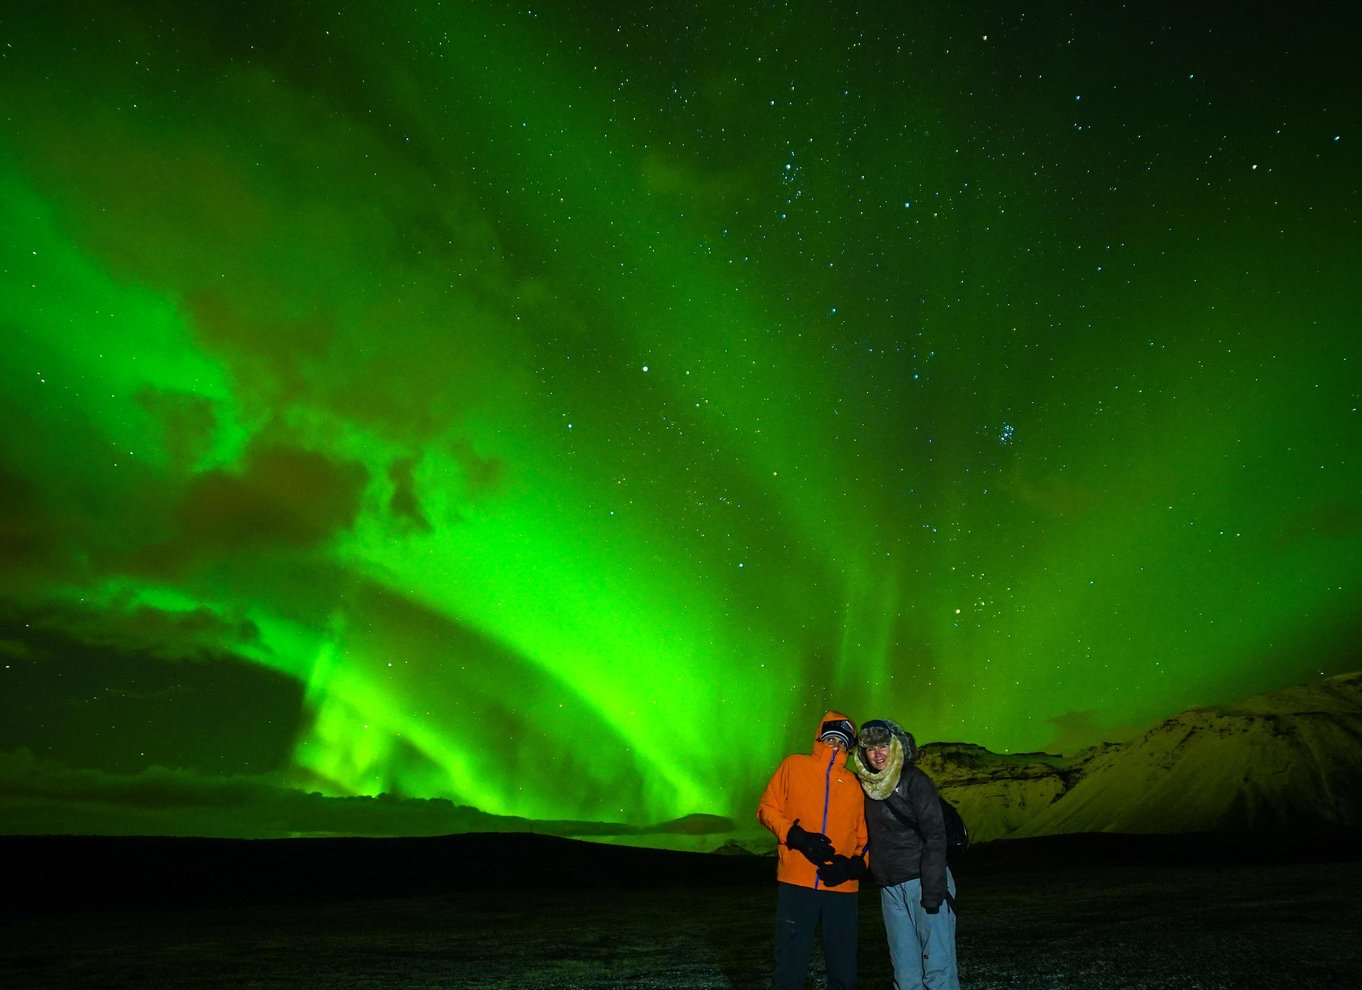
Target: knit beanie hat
{"type": "Point", "coordinates": [842, 728]}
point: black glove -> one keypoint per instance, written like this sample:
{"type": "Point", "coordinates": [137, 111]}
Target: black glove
{"type": "Point", "coordinates": [841, 869]}
{"type": "Point", "coordinates": [932, 908]}
{"type": "Point", "coordinates": [816, 847]}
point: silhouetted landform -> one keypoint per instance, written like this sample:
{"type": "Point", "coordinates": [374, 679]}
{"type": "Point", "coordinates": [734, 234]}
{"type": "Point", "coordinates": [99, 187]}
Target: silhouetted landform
{"type": "Point", "coordinates": [76, 871]}
{"type": "Point", "coordinates": [1289, 760]}
{"type": "Point", "coordinates": [687, 825]}
{"type": "Point", "coordinates": [38, 797]}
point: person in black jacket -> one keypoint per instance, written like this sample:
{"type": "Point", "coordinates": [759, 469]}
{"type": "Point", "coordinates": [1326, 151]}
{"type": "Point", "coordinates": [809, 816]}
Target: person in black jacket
{"type": "Point", "coordinates": [908, 858]}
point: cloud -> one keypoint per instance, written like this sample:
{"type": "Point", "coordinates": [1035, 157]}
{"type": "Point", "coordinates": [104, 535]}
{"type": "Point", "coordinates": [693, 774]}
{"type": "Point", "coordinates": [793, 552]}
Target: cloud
{"type": "Point", "coordinates": [1077, 730]}
{"type": "Point", "coordinates": [119, 686]}
{"type": "Point", "coordinates": [188, 425]}
{"type": "Point", "coordinates": [283, 499]}
{"type": "Point", "coordinates": [34, 541]}
{"type": "Point", "coordinates": [312, 252]}
{"type": "Point", "coordinates": [122, 625]}
{"type": "Point", "coordinates": [405, 505]}
{"type": "Point", "coordinates": [40, 796]}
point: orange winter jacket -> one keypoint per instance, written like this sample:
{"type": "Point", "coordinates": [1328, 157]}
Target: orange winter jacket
{"type": "Point", "coordinates": [824, 796]}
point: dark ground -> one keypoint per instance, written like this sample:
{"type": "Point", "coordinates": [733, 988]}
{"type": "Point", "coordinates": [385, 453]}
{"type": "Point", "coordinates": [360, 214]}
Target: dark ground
{"type": "Point", "coordinates": [1103, 912]}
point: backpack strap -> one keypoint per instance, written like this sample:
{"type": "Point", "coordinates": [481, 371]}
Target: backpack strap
{"type": "Point", "coordinates": [910, 822]}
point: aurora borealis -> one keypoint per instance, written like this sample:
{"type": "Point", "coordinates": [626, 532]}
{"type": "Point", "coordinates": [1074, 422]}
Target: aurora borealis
{"type": "Point", "coordinates": [556, 410]}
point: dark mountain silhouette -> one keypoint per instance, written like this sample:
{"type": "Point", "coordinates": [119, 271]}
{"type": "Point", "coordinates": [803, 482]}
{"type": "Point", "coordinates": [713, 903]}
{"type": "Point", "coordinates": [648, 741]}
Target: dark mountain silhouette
{"type": "Point", "coordinates": [1288, 759]}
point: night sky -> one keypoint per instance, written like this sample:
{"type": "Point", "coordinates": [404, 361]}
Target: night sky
{"type": "Point", "coordinates": [556, 410]}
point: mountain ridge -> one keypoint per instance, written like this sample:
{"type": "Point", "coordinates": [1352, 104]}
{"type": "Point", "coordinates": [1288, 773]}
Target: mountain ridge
{"type": "Point", "coordinates": [1286, 759]}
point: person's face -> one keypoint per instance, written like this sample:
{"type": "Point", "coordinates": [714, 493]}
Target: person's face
{"type": "Point", "coordinates": [877, 757]}
{"type": "Point", "coordinates": [836, 742]}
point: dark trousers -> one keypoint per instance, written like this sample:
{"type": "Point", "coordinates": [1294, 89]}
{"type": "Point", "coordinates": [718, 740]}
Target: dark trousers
{"type": "Point", "coordinates": [798, 910]}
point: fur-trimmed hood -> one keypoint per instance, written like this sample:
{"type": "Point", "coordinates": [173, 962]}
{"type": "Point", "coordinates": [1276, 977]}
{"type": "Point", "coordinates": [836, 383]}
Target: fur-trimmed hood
{"type": "Point", "coordinates": [902, 749]}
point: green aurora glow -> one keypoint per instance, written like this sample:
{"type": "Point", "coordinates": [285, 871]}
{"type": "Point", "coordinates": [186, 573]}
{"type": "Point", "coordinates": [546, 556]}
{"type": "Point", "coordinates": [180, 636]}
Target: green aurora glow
{"type": "Point", "coordinates": [556, 412]}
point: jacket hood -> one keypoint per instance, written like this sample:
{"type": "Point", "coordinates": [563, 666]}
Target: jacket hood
{"type": "Point", "coordinates": [834, 717]}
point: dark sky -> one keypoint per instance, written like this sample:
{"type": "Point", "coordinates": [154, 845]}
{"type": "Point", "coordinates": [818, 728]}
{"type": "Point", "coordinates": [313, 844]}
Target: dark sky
{"type": "Point", "coordinates": [555, 410]}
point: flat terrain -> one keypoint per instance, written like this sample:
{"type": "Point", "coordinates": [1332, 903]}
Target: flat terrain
{"type": "Point", "coordinates": [1027, 921]}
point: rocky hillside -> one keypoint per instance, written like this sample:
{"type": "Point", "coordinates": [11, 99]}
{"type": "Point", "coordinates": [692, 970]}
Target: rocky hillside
{"type": "Point", "coordinates": [1287, 759]}
{"type": "Point", "coordinates": [996, 794]}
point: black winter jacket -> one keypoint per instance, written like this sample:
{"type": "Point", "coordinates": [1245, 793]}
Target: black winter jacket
{"type": "Point", "coordinates": [898, 851]}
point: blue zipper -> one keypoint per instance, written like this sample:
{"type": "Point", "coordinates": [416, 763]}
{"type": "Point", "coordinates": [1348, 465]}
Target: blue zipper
{"type": "Point", "coordinates": [827, 795]}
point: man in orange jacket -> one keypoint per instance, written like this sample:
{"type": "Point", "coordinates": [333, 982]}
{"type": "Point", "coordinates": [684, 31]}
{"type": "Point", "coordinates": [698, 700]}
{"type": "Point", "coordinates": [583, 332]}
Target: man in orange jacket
{"type": "Point", "coordinates": [816, 808]}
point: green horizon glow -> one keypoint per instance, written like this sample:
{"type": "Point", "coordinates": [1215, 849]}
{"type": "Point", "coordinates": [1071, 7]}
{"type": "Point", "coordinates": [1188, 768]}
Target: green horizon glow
{"type": "Point", "coordinates": [570, 410]}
